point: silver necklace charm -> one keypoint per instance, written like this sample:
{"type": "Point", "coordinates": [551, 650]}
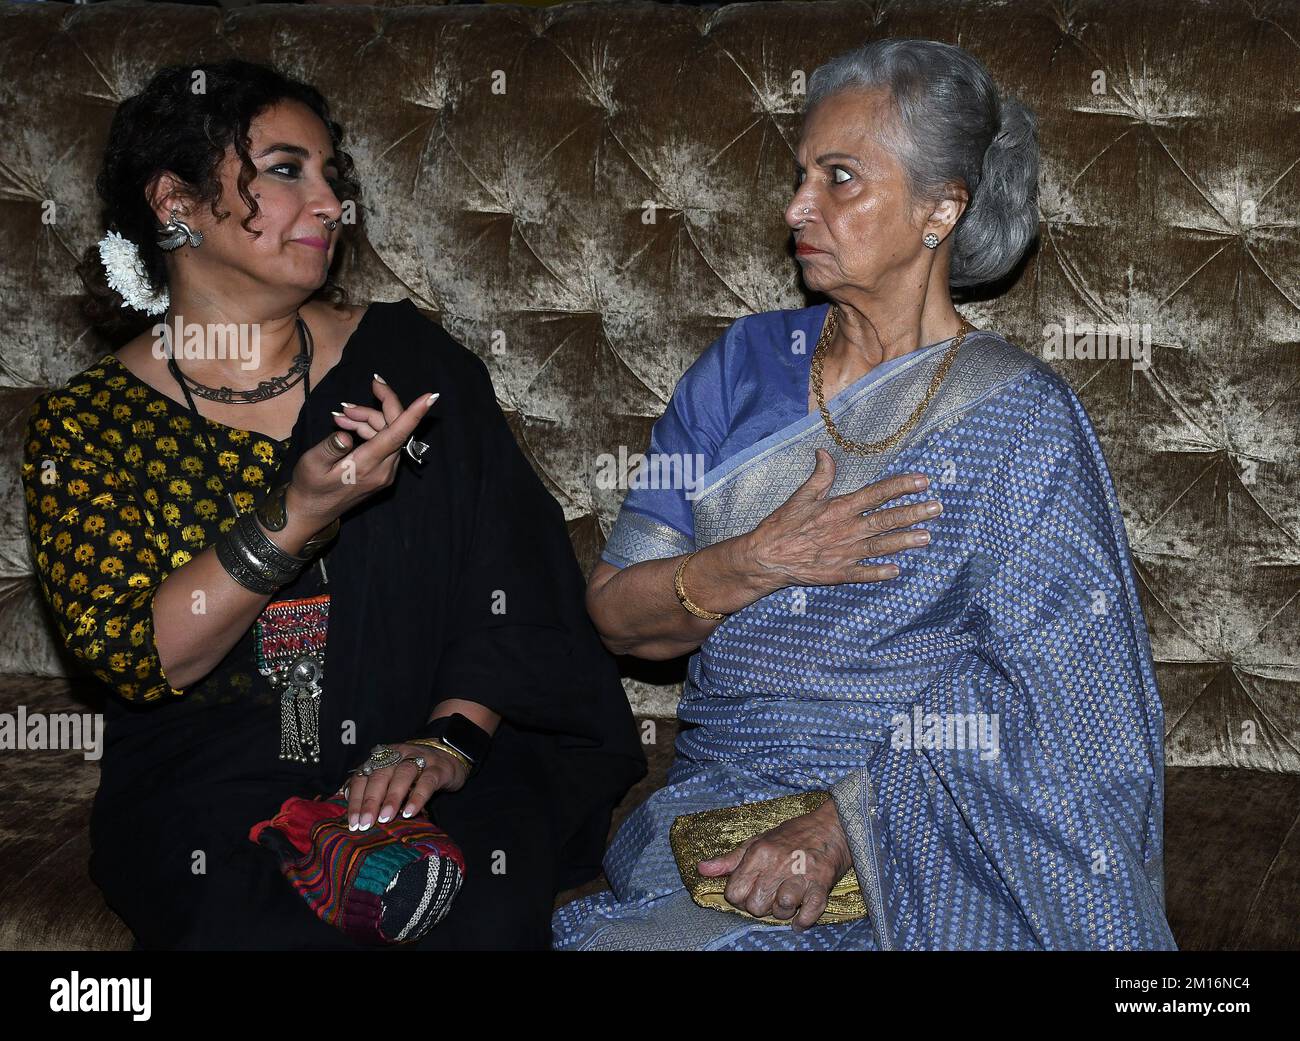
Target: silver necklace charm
{"type": "Point", "coordinates": [290, 637]}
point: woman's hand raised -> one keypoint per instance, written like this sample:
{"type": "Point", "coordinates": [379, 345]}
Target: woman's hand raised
{"type": "Point", "coordinates": [816, 539]}
{"type": "Point", "coordinates": [327, 481]}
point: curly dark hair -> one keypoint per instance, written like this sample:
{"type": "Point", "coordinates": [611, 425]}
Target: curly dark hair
{"type": "Point", "coordinates": [169, 126]}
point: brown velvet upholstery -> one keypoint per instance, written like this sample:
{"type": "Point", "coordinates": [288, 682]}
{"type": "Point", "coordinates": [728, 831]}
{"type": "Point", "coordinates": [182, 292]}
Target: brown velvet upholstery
{"type": "Point", "coordinates": [591, 230]}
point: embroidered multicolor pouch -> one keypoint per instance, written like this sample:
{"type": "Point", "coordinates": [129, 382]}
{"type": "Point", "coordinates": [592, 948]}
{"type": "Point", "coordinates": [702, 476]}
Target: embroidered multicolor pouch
{"type": "Point", "coordinates": [389, 884]}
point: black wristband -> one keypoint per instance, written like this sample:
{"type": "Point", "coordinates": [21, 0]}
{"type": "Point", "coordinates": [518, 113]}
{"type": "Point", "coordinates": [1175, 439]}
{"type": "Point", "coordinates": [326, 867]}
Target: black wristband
{"type": "Point", "coordinates": [462, 734]}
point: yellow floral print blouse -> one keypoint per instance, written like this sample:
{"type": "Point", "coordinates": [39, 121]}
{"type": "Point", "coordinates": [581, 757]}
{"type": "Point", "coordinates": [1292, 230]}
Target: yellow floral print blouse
{"type": "Point", "coordinates": [120, 494]}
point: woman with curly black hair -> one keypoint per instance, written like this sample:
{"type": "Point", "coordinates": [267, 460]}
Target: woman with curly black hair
{"type": "Point", "coordinates": [222, 533]}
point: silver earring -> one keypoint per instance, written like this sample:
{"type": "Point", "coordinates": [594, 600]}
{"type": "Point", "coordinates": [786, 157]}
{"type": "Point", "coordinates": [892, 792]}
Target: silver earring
{"type": "Point", "coordinates": [175, 233]}
{"type": "Point", "coordinates": [931, 239]}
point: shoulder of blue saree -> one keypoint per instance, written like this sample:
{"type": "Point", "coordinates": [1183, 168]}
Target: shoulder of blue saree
{"type": "Point", "coordinates": [750, 381]}
{"type": "Point", "coordinates": [754, 374]}
{"type": "Point", "coordinates": [1045, 415]}
{"type": "Point", "coordinates": [767, 377]}
{"type": "Point", "coordinates": [1016, 408]}
{"type": "Point", "coordinates": [1050, 451]}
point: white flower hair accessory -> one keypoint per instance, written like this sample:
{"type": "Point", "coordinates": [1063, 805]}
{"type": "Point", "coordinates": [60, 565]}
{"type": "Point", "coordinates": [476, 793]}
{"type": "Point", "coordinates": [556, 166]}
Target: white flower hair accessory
{"type": "Point", "coordinates": [126, 275]}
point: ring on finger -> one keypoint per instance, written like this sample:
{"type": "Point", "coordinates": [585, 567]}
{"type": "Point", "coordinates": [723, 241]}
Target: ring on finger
{"type": "Point", "coordinates": [418, 760]}
{"type": "Point", "coordinates": [381, 757]}
{"type": "Point", "coordinates": [416, 449]}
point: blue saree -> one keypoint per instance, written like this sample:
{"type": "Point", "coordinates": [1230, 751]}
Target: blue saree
{"type": "Point", "coordinates": [987, 722]}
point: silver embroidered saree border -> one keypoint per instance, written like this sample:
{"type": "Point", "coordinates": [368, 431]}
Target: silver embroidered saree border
{"type": "Point", "coordinates": [855, 803]}
{"type": "Point", "coordinates": [736, 499]}
{"type": "Point", "coordinates": [637, 537]}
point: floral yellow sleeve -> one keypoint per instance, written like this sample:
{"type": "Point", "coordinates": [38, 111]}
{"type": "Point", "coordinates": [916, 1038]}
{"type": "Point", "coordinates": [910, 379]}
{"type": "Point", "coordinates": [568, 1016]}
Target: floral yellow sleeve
{"type": "Point", "coordinates": [97, 559]}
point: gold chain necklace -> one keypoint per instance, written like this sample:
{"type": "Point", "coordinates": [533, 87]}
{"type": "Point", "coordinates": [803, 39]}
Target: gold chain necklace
{"type": "Point", "coordinates": [884, 444]}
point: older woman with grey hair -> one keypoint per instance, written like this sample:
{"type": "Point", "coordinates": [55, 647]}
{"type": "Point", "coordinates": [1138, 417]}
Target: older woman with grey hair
{"type": "Point", "coordinates": [920, 709]}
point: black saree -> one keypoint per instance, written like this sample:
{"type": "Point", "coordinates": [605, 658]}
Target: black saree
{"type": "Point", "coordinates": [458, 581]}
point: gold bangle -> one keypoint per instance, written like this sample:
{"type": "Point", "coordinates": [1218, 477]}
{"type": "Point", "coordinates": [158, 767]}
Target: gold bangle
{"type": "Point", "coordinates": [433, 742]}
{"type": "Point", "coordinates": [680, 586]}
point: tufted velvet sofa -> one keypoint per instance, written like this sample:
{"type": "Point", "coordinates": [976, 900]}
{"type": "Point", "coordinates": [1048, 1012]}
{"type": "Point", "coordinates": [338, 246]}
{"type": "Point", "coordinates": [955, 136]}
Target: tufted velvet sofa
{"type": "Point", "coordinates": [593, 227]}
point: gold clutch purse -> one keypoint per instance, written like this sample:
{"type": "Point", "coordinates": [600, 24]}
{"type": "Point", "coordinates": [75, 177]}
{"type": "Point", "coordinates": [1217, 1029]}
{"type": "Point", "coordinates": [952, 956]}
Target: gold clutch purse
{"type": "Point", "coordinates": [711, 833]}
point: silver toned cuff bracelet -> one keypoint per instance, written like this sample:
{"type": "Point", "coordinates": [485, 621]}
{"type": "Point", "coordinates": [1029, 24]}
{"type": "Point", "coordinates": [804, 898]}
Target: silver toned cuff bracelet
{"type": "Point", "coordinates": [253, 560]}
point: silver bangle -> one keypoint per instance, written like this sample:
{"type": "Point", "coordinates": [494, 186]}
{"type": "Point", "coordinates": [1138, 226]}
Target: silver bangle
{"type": "Point", "coordinates": [260, 552]}
{"type": "Point", "coordinates": [229, 553]}
{"type": "Point", "coordinates": [245, 555]}
{"type": "Point", "coordinates": [265, 549]}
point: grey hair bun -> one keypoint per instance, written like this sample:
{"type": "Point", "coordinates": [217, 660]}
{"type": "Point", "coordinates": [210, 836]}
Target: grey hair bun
{"type": "Point", "coordinates": [1001, 220]}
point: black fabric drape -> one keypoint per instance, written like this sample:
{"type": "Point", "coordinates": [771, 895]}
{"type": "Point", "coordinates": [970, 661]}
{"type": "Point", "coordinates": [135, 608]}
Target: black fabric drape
{"type": "Point", "coordinates": [459, 581]}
